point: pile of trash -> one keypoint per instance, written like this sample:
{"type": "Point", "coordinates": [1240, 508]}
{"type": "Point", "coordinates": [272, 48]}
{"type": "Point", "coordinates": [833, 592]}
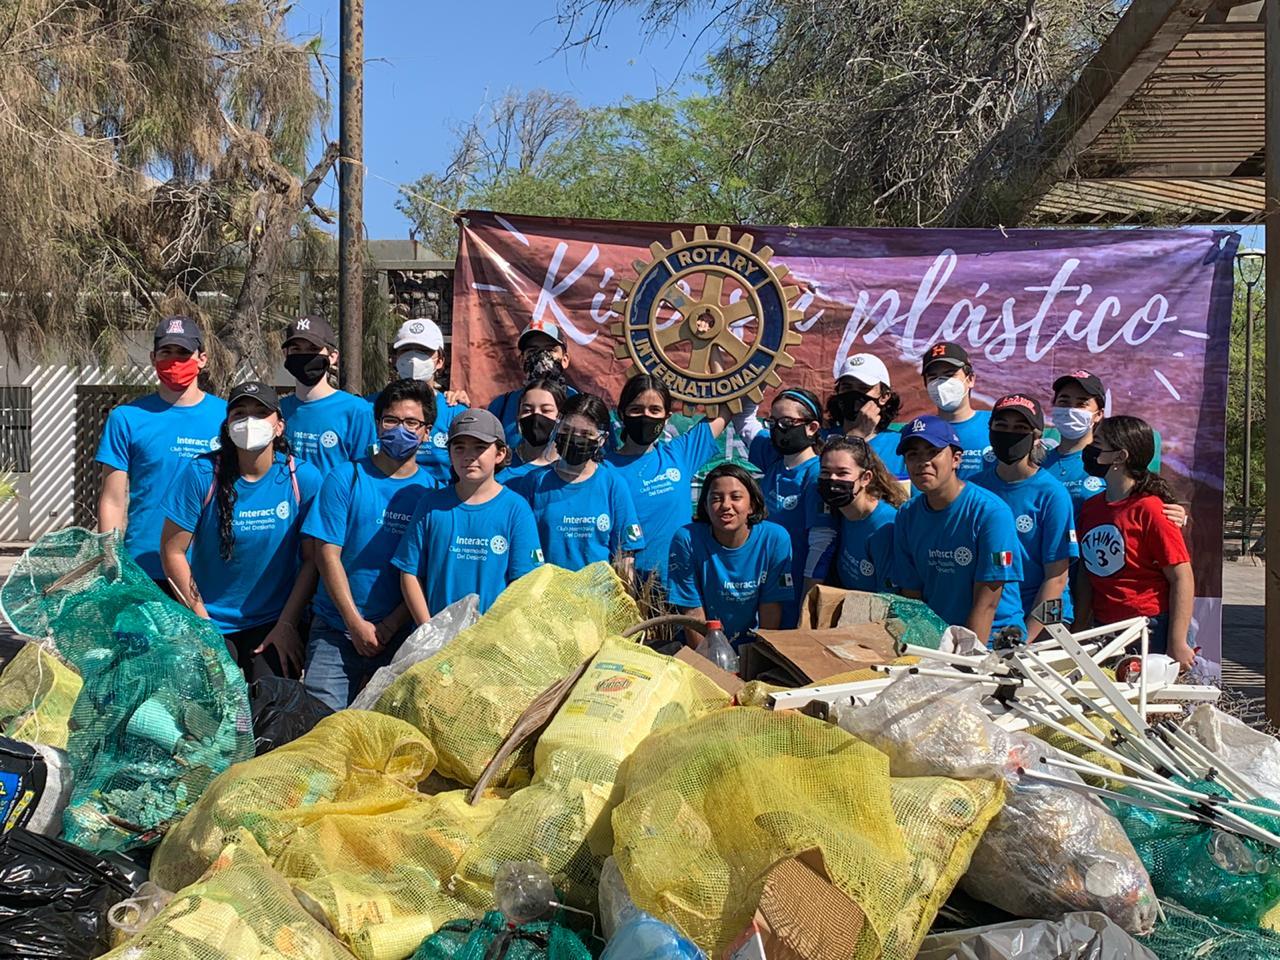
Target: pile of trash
{"type": "Point", "coordinates": [537, 783]}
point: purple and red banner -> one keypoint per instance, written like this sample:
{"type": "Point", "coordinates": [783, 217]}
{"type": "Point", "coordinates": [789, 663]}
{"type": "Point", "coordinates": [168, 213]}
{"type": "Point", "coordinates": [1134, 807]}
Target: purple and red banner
{"type": "Point", "coordinates": [1148, 311]}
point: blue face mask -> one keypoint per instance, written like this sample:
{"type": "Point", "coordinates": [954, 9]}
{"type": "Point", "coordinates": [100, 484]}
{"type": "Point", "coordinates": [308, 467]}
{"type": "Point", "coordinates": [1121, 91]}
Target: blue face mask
{"type": "Point", "coordinates": [399, 443]}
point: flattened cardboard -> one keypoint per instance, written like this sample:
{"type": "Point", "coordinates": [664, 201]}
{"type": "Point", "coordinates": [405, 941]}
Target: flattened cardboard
{"type": "Point", "coordinates": [822, 606]}
{"type": "Point", "coordinates": [726, 681]}
{"type": "Point", "coordinates": [796, 658]}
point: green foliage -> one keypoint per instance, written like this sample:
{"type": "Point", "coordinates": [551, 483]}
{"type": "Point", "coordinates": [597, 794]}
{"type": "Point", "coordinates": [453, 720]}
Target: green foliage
{"type": "Point", "coordinates": [1235, 402]}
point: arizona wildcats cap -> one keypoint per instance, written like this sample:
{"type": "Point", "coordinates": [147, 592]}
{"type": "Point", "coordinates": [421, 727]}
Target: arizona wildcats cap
{"type": "Point", "coordinates": [179, 332]}
{"type": "Point", "coordinates": [932, 430]}
{"type": "Point", "coordinates": [866, 368]}
{"type": "Point", "coordinates": [419, 333]}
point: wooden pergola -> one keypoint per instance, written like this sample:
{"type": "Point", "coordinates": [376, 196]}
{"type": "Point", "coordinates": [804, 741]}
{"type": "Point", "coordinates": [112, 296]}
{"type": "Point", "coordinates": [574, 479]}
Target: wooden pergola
{"type": "Point", "coordinates": [1176, 119]}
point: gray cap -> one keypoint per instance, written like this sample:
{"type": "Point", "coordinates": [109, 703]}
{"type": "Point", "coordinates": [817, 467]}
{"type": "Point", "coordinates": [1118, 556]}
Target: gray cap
{"type": "Point", "coordinates": [478, 423]}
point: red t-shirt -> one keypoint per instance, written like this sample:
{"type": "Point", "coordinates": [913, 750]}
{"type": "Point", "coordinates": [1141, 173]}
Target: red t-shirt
{"type": "Point", "coordinates": [1125, 547]}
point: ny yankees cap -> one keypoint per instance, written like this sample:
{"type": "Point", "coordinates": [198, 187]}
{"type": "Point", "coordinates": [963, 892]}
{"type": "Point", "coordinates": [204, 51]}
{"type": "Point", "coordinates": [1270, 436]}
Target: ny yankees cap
{"type": "Point", "coordinates": [264, 394]}
{"type": "Point", "coordinates": [1088, 382]}
{"type": "Point", "coordinates": [313, 330]}
{"type": "Point", "coordinates": [179, 331]}
{"type": "Point", "coordinates": [479, 423]}
{"type": "Point", "coordinates": [419, 333]}
{"type": "Point", "coordinates": [866, 368]}
{"type": "Point", "coordinates": [951, 353]}
{"type": "Point", "coordinates": [932, 430]}
{"type": "Point", "coordinates": [1020, 403]}
{"type": "Point", "coordinates": [544, 327]}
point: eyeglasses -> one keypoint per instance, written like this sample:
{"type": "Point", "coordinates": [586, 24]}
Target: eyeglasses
{"type": "Point", "coordinates": [784, 423]}
{"type": "Point", "coordinates": [389, 422]}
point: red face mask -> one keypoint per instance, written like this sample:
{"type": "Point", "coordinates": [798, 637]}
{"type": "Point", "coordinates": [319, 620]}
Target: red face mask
{"type": "Point", "coordinates": [178, 374]}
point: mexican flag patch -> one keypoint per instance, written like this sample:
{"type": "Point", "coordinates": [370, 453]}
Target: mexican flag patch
{"type": "Point", "coordinates": [536, 556]}
{"type": "Point", "coordinates": [1002, 558]}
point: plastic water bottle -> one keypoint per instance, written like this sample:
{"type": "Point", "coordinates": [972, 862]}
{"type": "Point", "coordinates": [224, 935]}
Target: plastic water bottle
{"type": "Point", "coordinates": [715, 646]}
{"type": "Point", "coordinates": [645, 937]}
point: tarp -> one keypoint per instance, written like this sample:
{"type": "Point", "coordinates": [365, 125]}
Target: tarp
{"type": "Point", "coordinates": [1147, 310]}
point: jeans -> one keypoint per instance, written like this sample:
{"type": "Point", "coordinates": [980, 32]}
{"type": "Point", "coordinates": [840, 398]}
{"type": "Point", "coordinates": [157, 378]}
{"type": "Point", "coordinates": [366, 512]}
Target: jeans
{"type": "Point", "coordinates": [335, 672]}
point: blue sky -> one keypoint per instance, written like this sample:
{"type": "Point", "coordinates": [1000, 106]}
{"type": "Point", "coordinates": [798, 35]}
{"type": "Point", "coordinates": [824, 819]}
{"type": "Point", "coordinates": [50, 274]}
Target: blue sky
{"type": "Point", "coordinates": [431, 66]}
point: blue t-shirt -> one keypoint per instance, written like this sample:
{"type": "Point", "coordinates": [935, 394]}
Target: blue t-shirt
{"type": "Point", "coordinates": [863, 550]}
{"type": "Point", "coordinates": [1069, 470]}
{"type": "Point", "coordinates": [661, 485]}
{"type": "Point", "coordinates": [336, 429]}
{"type": "Point", "coordinates": [581, 523]}
{"type": "Point", "coordinates": [506, 407]}
{"type": "Point", "coordinates": [885, 446]}
{"type": "Point", "coordinates": [458, 548]}
{"type": "Point", "coordinates": [151, 441]}
{"type": "Point", "coordinates": [791, 500]}
{"type": "Point", "coordinates": [364, 511]}
{"type": "Point", "coordinates": [943, 553]}
{"type": "Point", "coordinates": [975, 438]}
{"type": "Point", "coordinates": [1045, 522]}
{"type": "Point", "coordinates": [730, 583]}
{"type": "Point", "coordinates": [516, 471]}
{"type": "Point", "coordinates": [251, 588]}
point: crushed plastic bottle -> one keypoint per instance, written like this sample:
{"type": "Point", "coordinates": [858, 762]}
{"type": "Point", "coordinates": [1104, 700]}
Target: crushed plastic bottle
{"type": "Point", "coordinates": [523, 891]}
{"type": "Point", "coordinates": [645, 937]}
{"type": "Point", "coordinates": [715, 646]}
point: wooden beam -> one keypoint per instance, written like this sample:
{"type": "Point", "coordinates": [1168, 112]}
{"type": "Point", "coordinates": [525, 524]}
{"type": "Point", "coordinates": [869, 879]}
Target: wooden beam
{"type": "Point", "coordinates": [1145, 35]}
{"type": "Point", "coordinates": [1271, 286]}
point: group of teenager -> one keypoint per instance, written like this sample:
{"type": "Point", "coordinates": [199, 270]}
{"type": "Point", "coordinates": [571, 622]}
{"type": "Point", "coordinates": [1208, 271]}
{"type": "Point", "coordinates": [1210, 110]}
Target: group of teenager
{"type": "Point", "coordinates": [317, 530]}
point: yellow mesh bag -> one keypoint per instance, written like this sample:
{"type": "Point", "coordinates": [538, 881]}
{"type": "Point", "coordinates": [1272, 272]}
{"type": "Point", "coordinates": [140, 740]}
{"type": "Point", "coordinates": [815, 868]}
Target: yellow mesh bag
{"type": "Point", "coordinates": [351, 762]}
{"type": "Point", "coordinates": [37, 692]}
{"type": "Point", "coordinates": [381, 878]}
{"type": "Point", "coordinates": [710, 806]}
{"type": "Point", "coordinates": [240, 909]}
{"type": "Point", "coordinates": [468, 696]}
{"type": "Point", "coordinates": [562, 819]}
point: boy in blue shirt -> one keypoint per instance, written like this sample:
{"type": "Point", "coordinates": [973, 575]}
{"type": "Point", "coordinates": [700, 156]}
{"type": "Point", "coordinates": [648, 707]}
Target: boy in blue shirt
{"type": "Point", "coordinates": [473, 537]}
{"type": "Point", "coordinates": [543, 355]}
{"type": "Point", "coordinates": [955, 546]}
{"type": "Point", "coordinates": [326, 426]}
{"type": "Point", "coordinates": [948, 377]}
{"type": "Point", "coordinates": [357, 522]}
{"type": "Point", "coordinates": [147, 442]}
{"type": "Point", "coordinates": [1043, 515]}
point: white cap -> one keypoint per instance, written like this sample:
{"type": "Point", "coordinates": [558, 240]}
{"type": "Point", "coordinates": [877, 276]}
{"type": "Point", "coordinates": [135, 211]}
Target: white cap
{"type": "Point", "coordinates": [420, 332]}
{"type": "Point", "coordinates": [865, 368]}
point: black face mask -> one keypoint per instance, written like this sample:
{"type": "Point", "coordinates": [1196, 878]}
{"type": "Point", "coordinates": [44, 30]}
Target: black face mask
{"type": "Point", "coordinates": [307, 368]}
{"type": "Point", "coordinates": [836, 493]}
{"type": "Point", "coordinates": [1091, 465]}
{"type": "Point", "coordinates": [846, 407]}
{"type": "Point", "coordinates": [1011, 447]}
{"type": "Point", "coordinates": [536, 429]}
{"type": "Point", "coordinates": [643, 430]}
{"type": "Point", "coordinates": [791, 440]}
{"type": "Point", "coordinates": [575, 451]}
{"type": "Point", "coordinates": [541, 365]}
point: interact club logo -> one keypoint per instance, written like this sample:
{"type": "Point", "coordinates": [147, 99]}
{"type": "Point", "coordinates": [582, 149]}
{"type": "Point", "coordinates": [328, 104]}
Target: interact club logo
{"type": "Point", "coordinates": [498, 545]}
{"type": "Point", "coordinates": [1025, 524]}
{"type": "Point", "coordinates": [603, 523]}
{"type": "Point", "coordinates": [282, 509]}
{"type": "Point", "coordinates": [963, 556]}
{"type": "Point", "coordinates": [328, 439]}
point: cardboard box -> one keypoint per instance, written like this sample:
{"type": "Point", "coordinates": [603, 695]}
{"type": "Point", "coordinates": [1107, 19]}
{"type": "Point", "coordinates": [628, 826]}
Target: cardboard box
{"type": "Point", "coordinates": [798, 658]}
{"type": "Point", "coordinates": [726, 681]}
{"type": "Point", "coordinates": [802, 916]}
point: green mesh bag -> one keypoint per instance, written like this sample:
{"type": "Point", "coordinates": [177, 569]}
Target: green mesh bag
{"type": "Point", "coordinates": [163, 709]}
{"type": "Point", "coordinates": [1213, 873]}
{"type": "Point", "coordinates": [474, 939]}
{"type": "Point", "coordinates": [1184, 936]}
{"type": "Point", "coordinates": [912, 621]}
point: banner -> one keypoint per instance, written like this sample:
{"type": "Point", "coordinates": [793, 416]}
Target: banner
{"type": "Point", "coordinates": [1148, 311]}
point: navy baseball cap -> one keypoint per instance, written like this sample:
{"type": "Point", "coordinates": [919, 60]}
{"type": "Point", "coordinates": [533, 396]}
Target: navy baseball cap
{"type": "Point", "coordinates": [932, 430]}
{"type": "Point", "coordinates": [179, 331]}
{"type": "Point", "coordinates": [263, 393]}
{"type": "Point", "coordinates": [1028, 407]}
{"type": "Point", "coordinates": [314, 330]}
{"type": "Point", "coordinates": [951, 354]}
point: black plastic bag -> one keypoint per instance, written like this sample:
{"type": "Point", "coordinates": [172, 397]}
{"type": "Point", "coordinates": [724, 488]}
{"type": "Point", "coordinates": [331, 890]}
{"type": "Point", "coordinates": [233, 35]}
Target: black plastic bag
{"type": "Point", "coordinates": [54, 898]}
{"type": "Point", "coordinates": [282, 712]}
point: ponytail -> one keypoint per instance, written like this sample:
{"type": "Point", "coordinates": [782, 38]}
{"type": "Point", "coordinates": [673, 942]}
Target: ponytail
{"type": "Point", "coordinates": [1136, 438]}
{"type": "Point", "coordinates": [884, 485]}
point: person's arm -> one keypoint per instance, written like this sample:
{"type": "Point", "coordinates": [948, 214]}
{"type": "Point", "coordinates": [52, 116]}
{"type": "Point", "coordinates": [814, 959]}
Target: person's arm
{"type": "Point", "coordinates": [114, 499]}
{"type": "Point", "coordinates": [285, 636]}
{"type": "Point", "coordinates": [1083, 598]}
{"type": "Point", "coordinates": [692, 637]}
{"type": "Point", "coordinates": [770, 616]}
{"type": "Point", "coordinates": [1182, 590]}
{"type": "Point", "coordinates": [1176, 514]}
{"type": "Point", "coordinates": [174, 542]}
{"type": "Point", "coordinates": [415, 598]}
{"type": "Point", "coordinates": [1053, 587]}
{"type": "Point", "coordinates": [982, 612]}
{"type": "Point", "coordinates": [904, 575]}
{"type": "Point", "coordinates": [363, 633]}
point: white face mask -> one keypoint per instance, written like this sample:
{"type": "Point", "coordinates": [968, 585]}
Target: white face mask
{"type": "Point", "coordinates": [1072, 422]}
{"type": "Point", "coordinates": [416, 365]}
{"type": "Point", "coordinates": [252, 433]}
{"type": "Point", "coordinates": [949, 394]}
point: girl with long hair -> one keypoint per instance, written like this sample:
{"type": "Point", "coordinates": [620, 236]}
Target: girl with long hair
{"type": "Point", "coordinates": [861, 499]}
{"type": "Point", "coordinates": [239, 511]}
{"type": "Point", "coordinates": [731, 564]}
{"type": "Point", "coordinates": [1136, 560]}
{"type": "Point", "coordinates": [540, 406]}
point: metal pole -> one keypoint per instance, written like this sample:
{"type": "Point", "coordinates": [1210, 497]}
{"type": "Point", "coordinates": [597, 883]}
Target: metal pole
{"type": "Point", "coordinates": [1271, 221]}
{"type": "Point", "coordinates": [351, 195]}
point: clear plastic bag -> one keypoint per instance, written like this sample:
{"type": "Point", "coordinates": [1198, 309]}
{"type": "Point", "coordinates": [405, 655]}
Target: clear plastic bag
{"type": "Point", "coordinates": [631, 933]}
{"type": "Point", "coordinates": [1077, 936]}
{"type": "Point", "coordinates": [1063, 849]}
{"type": "Point", "coordinates": [424, 643]}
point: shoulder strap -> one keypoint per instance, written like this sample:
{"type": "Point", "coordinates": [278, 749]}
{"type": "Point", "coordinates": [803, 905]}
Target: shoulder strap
{"type": "Point", "coordinates": [293, 478]}
{"type": "Point", "coordinates": [213, 485]}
